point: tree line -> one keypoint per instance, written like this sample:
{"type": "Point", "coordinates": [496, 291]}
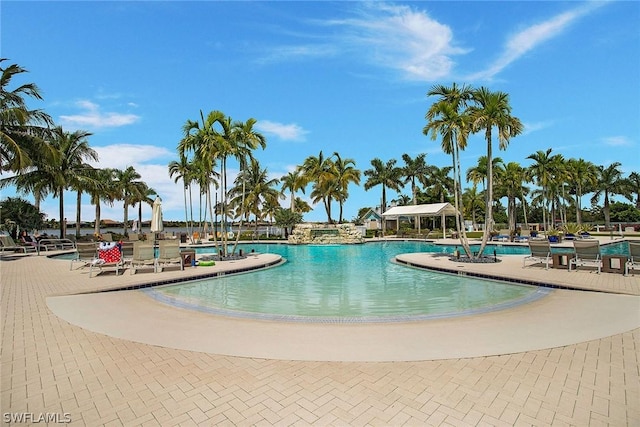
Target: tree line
{"type": "Point", "coordinates": [47, 161]}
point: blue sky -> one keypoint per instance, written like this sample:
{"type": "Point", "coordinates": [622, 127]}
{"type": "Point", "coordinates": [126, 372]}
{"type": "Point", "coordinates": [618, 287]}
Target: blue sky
{"type": "Point", "coordinates": [349, 76]}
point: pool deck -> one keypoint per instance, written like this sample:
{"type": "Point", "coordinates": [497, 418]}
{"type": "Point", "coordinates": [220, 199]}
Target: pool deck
{"type": "Point", "coordinates": [50, 365]}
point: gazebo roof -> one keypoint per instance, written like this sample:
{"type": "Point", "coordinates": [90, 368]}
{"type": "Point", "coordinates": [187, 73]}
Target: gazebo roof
{"type": "Point", "coordinates": [432, 209]}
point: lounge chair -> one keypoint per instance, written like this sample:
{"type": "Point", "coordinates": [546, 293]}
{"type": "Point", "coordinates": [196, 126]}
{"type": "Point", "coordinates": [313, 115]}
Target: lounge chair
{"type": "Point", "coordinates": [85, 253]}
{"type": "Point", "coordinates": [133, 237]}
{"type": "Point", "coordinates": [540, 252]}
{"type": "Point", "coordinates": [143, 257]}
{"type": "Point", "coordinates": [586, 252]}
{"type": "Point", "coordinates": [109, 258]}
{"type": "Point", "coordinates": [634, 257]}
{"type": "Point", "coordinates": [126, 248]}
{"type": "Point", "coordinates": [55, 244]}
{"type": "Point", "coordinates": [8, 244]}
{"type": "Point", "coordinates": [524, 236]}
{"type": "Point", "coordinates": [107, 237]}
{"type": "Point", "coordinates": [169, 254]}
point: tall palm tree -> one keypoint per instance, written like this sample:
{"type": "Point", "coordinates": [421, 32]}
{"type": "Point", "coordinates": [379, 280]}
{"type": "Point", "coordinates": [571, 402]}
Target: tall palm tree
{"type": "Point", "coordinates": [473, 203]}
{"type": "Point", "coordinates": [543, 171]}
{"type": "Point", "coordinates": [105, 191]}
{"type": "Point", "coordinates": [183, 170]}
{"type": "Point", "coordinates": [23, 132]}
{"type": "Point", "coordinates": [448, 117]}
{"type": "Point", "coordinates": [294, 181]}
{"type": "Point", "coordinates": [345, 173]}
{"type": "Point", "coordinates": [492, 110]}
{"type": "Point", "coordinates": [388, 175]}
{"type": "Point", "coordinates": [609, 183]}
{"type": "Point", "coordinates": [143, 194]}
{"type": "Point", "coordinates": [415, 170]}
{"type": "Point", "coordinates": [127, 185]}
{"type": "Point", "coordinates": [320, 171]}
{"type": "Point", "coordinates": [582, 175]}
{"type": "Point", "coordinates": [510, 185]}
{"type": "Point", "coordinates": [634, 186]}
{"type": "Point", "coordinates": [70, 168]}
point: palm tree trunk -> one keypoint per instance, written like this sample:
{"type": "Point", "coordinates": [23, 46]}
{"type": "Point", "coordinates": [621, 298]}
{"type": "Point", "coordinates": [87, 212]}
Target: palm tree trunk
{"type": "Point", "coordinates": [63, 220]}
{"type": "Point", "coordinates": [78, 208]}
{"type": "Point", "coordinates": [457, 189]}
{"type": "Point", "coordinates": [96, 226]}
{"type": "Point", "coordinates": [488, 219]}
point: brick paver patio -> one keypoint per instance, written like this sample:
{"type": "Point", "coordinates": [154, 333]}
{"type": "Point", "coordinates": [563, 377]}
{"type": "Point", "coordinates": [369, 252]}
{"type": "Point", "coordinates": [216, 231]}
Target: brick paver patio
{"type": "Point", "coordinates": [52, 367]}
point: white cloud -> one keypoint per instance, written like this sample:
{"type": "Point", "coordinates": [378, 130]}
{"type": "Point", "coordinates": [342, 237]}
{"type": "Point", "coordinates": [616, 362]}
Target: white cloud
{"type": "Point", "coordinates": [617, 141]}
{"type": "Point", "coordinates": [405, 39]}
{"type": "Point", "coordinates": [530, 127]}
{"type": "Point", "coordinates": [287, 53]}
{"type": "Point", "coordinates": [286, 132]}
{"type": "Point", "coordinates": [532, 36]}
{"type": "Point", "coordinates": [92, 117]}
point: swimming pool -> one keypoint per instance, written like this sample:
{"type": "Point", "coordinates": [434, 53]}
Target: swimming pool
{"type": "Point", "coordinates": [348, 283]}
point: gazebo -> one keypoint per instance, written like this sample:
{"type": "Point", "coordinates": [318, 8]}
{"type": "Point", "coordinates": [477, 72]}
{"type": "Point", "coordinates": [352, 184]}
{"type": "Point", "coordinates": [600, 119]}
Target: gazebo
{"type": "Point", "coordinates": [419, 211]}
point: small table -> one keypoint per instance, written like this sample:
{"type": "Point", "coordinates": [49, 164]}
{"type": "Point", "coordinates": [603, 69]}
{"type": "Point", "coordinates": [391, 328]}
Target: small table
{"type": "Point", "coordinates": [560, 260]}
{"type": "Point", "coordinates": [187, 257]}
{"type": "Point", "coordinates": [610, 267]}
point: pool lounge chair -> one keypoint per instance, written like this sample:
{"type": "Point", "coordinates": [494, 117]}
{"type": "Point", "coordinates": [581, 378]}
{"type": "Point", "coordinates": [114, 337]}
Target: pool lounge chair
{"type": "Point", "coordinates": [540, 252]}
{"type": "Point", "coordinates": [85, 253]}
{"type": "Point", "coordinates": [55, 244]}
{"type": "Point", "coordinates": [586, 252]}
{"type": "Point", "coordinates": [143, 257]}
{"type": "Point", "coordinates": [634, 257]}
{"type": "Point", "coordinates": [109, 258]}
{"type": "Point", "coordinates": [8, 244]}
{"type": "Point", "coordinates": [169, 254]}
{"type": "Point", "coordinates": [524, 236]}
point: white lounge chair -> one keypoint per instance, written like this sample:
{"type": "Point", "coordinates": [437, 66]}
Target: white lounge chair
{"type": "Point", "coordinates": [634, 257]}
{"type": "Point", "coordinates": [540, 252]}
{"type": "Point", "coordinates": [143, 257]}
{"type": "Point", "coordinates": [85, 253]}
{"type": "Point", "coordinates": [586, 252]}
{"type": "Point", "coordinates": [169, 254]}
{"type": "Point", "coordinates": [8, 244]}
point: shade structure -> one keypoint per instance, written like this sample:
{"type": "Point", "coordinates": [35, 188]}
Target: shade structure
{"type": "Point", "coordinates": [156, 216]}
{"type": "Point", "coordinates": [418, 211]}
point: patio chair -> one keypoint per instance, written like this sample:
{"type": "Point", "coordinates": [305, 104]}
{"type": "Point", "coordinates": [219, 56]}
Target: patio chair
{"type": "Point", "coordinates": [634, 257]}
{"type": "Point", "coordinates": [109, 258]}
{"type": "Point", "coordinates": [143, 257]}
{"type": "Point", "coordinates": [85, 253]}
{"type": "Point", "coordinates": [524, 236]}
{"type": "Point", "coordinates": [126, 249]}
{"type": "Point", "coordinates": [586, 252]}
{"type": "Point", "coordinates": [169, 254]}
{"type": "Point", "coordinates": [540, 252]}
{"type": "Point", "coordinates": [133, 237]}
{"type": "Point", "coordinates": [8, 244]}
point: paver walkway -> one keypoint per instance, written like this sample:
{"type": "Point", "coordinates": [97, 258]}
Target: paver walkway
{"type": "Point", "coordinates": [52, 367]}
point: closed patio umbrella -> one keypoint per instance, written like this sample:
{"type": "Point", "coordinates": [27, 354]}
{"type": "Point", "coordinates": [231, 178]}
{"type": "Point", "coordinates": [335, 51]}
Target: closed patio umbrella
{"type": "Point", "coordinates": [156, 216]}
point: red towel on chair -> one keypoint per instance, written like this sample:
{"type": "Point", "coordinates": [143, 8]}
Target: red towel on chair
{"type": "Point", "coordinates": [110, 255]}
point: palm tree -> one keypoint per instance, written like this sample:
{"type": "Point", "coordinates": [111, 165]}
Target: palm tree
{"type": "Point", "coordinates": [345, 173]}
{"type": "Point", "coordinates": [492, 109]}
{"type": "Point", "coordinates": [320, 171]}
{"type": "Point", "coordinates": [510, 185]}
{"type": "Point", "coordinates": [127, 186]}
{"type": "Point", "coordinates": [543, 171]}
{"type": "Point", "coordinates": [582, 175]}
{"type": "Point", "coordinates": [634, 186]}
{"type": "Point", "coordinates": [415, 170]}
{"type": "Point", "coordinates": [105, 191]}
{"type": "Point", "coordinates": [23, 132]}
{"type": "Point", "coordinates": [448, 117]}
{"type": "Point", "coordinates": [72, 149]}
{"type": "Point", "coordinates": [473, 203]}
{"type": "Point", "coordinates": [143, 194]}
{"type": "Point", "coordinates": [609, 183]}
{"type": "Point", "coordinates": [183, 170]}
{"type": "Point", "coordinates": [388, 175]}
{"type": "Point", "coordinates": [294, 181]}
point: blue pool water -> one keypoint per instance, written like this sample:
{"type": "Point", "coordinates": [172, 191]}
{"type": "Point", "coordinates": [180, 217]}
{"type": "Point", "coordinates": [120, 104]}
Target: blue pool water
{"type": "Point", "coordinates": [352, 282]}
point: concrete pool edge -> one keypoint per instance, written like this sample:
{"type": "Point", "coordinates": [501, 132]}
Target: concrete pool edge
{"type": "Point", "coordinates": [562, 318]}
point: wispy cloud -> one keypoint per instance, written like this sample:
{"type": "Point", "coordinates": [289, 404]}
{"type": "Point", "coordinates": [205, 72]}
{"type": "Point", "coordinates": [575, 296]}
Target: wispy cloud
{"type": "Point", "coordinates": [93, 118]}
{"type": "Point", "coordinates": [390, 36]}
{"type": "Point", "coordinates": [286, 132]}
{"type": "Point", "coordinates": [529, 38]}
{"type": "Point", "coordinates": [530, 127]}
{"type": "Point", "coordinates": [403, 38]}
{"type": "Point", "coordinates": [617, 141]}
